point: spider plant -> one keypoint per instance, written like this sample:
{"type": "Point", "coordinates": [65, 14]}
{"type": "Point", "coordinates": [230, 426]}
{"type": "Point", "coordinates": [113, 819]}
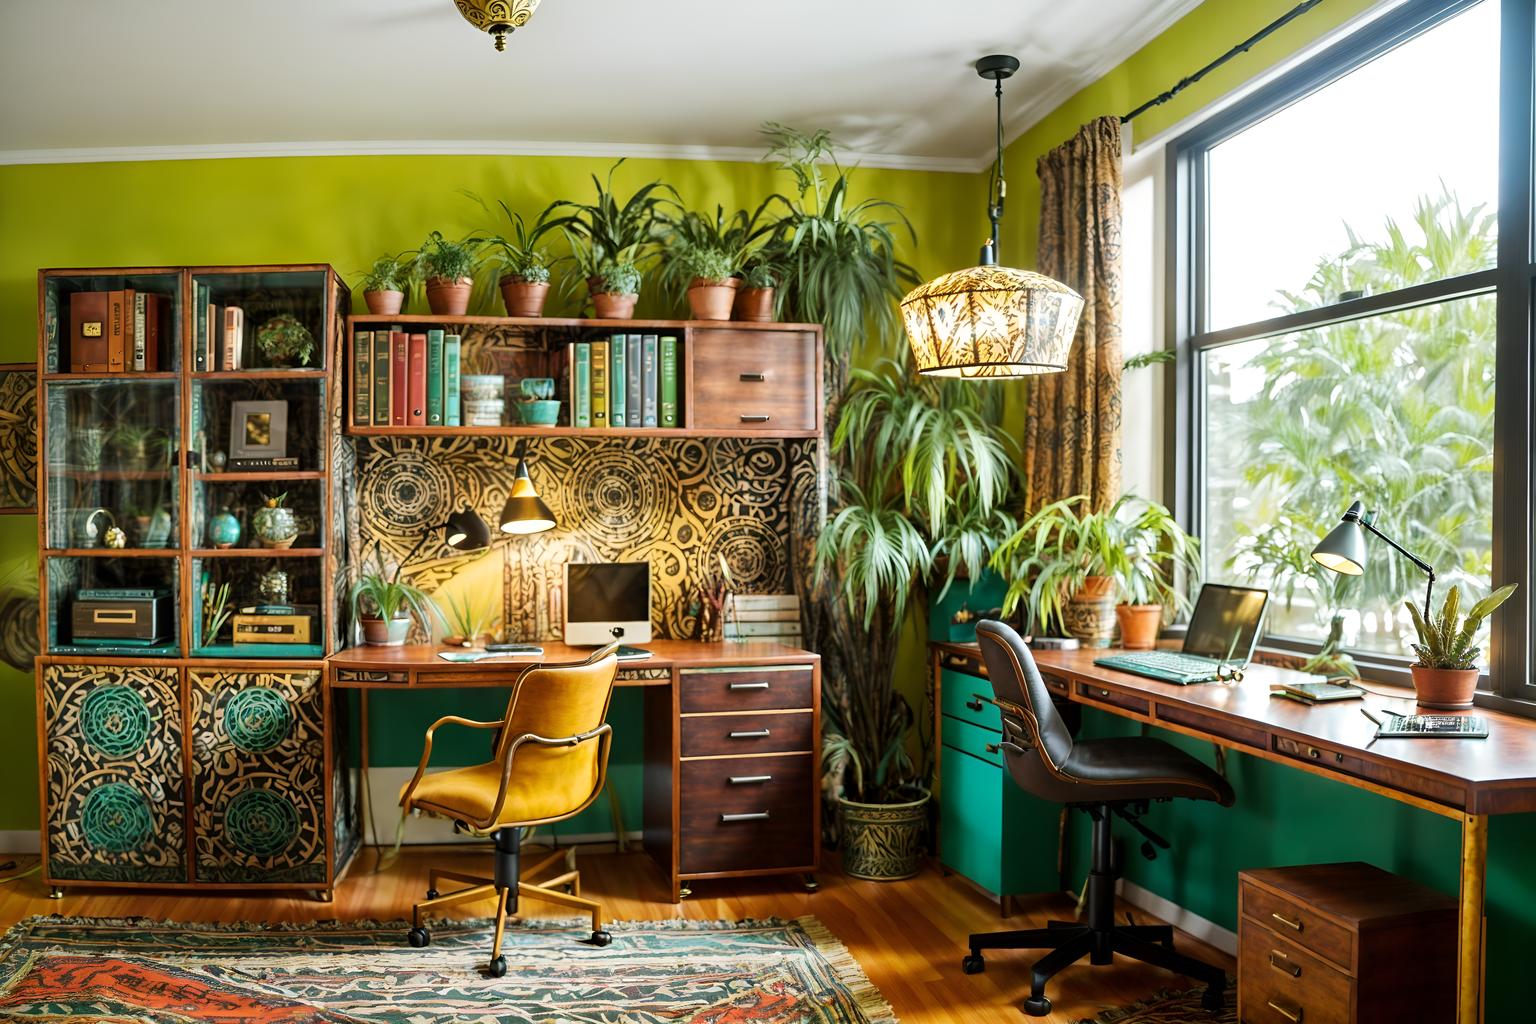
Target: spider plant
{"type": "Point", "coordinates": [468, 620]}
{"type": "Point", "coordinates": [443, 259]}
{"type": "Point", "coordinates": [730, 241]}
{"type": "Point", "coordinates": [518, 256]}
{"type": "Point", "coordinates": [609, 231]}
{"type": "Point", "coordinates": [383, 595]}
{"type": "Point", "coordinates": [389, 274]}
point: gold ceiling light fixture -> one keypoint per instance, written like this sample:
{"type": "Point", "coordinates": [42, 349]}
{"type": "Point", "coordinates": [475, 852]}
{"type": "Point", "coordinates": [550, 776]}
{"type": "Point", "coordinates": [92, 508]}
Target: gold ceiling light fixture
{"type": "Point", "coordinates": [498, 17]}
{"type": "Point", "coordinates": [987, 321]}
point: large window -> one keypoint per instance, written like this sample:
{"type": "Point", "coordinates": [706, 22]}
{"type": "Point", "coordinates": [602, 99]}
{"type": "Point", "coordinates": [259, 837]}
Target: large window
{"type": "Point", "coordinates": [1342, 302]}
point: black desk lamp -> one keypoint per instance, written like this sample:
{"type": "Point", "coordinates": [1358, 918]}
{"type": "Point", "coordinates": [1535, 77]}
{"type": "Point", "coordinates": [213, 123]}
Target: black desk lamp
{"type": "Point", "coordinates": [1343, 550]}
{"type": "Point", "coordinates": [464, 531]}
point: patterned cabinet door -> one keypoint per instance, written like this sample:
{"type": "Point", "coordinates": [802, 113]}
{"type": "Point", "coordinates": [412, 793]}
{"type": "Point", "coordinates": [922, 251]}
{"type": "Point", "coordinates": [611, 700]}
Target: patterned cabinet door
{"type": "Point", "coordinates": [116, 800]}
{"type": "Point", "coordinates": [258, 776]}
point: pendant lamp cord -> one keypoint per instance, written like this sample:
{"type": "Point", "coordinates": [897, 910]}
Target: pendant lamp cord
{"type": "Point", "coordinates": [997, 189]}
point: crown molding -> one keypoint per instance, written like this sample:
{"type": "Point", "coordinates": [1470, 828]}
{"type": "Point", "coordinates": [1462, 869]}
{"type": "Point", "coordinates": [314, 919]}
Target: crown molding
{"type": "Point", "coordinates": [458, 147]}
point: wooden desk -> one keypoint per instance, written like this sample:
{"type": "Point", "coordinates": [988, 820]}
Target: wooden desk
{"type": "Point", "coordinates": [732, 751]}
{"type": "Point", "coordinates": [1466, 780]}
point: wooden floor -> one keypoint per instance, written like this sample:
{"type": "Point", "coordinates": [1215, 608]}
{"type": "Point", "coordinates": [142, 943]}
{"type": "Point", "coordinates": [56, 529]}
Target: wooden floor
{"type": "Point", "coordinates": [909, 936]}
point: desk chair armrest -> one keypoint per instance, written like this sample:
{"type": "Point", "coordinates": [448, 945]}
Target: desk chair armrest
{"type": "Point", "coordinates": [603, 734]}
{"type": "Point", "coordinates": [426, 749]}
{"type": "Point", "coordinates": [1007, 707]}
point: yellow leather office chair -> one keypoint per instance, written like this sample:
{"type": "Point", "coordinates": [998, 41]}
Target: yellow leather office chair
{"type": "Point", "coordinates": [549, 764]}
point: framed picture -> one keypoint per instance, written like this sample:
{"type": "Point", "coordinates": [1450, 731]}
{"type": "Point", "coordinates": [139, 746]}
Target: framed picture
{"type": "Point", "coordinates": [258, 430]}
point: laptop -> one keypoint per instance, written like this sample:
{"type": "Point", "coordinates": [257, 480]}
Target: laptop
{"type": "Point", "coordinates": [1223, 630]}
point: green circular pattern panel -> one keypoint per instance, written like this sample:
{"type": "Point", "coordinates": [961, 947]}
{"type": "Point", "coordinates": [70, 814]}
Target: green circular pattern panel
{"type": "Point", "coordinates": [257, 719]}
{"type": "Point", "coordinates": [115, 720]}
{"type": "Point", "coordinates": [261, 822]}
{"type": "Point", "coordinates": [116, 818]}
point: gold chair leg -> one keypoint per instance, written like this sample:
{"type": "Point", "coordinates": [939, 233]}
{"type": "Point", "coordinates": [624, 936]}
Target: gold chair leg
{"type": "Point", "coordinates": [437, 874]}
{"type": "Point", "coordinates": [474, 892]}
{"type": "Point", "coordinates": [501, 921]}
{"type": "Point", "coordinates": [564, 900]}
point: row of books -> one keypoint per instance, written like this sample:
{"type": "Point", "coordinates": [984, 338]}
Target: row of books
{"type": "Point", "coordinates": [218, 334]}
{"type": "Point", "coordinates": [117, 331]}
{"type": "Point", "coordinates": [630, 380]}
{"type": "Point", "coordinates": [401, 379]}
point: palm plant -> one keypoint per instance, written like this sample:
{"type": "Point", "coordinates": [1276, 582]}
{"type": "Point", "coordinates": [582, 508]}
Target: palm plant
{"type": "Point", "coordinates": [921, 496]}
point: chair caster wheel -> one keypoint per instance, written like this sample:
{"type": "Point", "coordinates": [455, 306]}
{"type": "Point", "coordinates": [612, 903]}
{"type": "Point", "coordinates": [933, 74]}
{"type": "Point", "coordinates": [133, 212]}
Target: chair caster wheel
{"type": "Point", "coordinates": [433, 894]}
{"type": "Point", "coordinates": [418, 937]}
{"type": "Point", "coordinates": [600, 938]}
{"type": "Point", "coordinates": [973, 964]}
{"type": "Point", "coordinates": [1214, 999]}
{"type": "Point", "coordinates": [1037, 1006]}
{"type": "Point", "coordinates": [497, 968]}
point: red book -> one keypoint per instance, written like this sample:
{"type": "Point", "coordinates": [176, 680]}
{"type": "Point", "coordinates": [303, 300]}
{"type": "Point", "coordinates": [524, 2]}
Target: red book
{"type": "Point", "coordinates": [418, 382]}
{"type": "Point", "coordinates": [399, 346]}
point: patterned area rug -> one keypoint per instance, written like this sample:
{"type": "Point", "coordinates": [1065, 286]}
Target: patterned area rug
{"type": "Point", "coordinates": [1167, 1007]}
{"type": "Point", "coordinates": [134, 971]}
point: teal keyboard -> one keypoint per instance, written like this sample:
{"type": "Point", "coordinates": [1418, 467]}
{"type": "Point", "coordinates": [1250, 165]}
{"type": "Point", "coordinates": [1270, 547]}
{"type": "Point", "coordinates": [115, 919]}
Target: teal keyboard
{"type": "Point", "coordinates": [1169, 666]}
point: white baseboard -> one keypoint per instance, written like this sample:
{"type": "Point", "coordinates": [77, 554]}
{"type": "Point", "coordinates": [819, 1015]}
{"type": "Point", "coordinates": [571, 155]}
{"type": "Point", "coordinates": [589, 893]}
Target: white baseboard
{"type": "Point", "coordinates": [20, 840]}
{"type": "Point", "coordinates": [1208, 932]}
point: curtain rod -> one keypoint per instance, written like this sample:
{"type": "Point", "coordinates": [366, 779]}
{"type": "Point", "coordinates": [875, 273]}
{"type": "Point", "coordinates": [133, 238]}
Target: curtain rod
{"type": "Point", "coordinates": [1242, 47]}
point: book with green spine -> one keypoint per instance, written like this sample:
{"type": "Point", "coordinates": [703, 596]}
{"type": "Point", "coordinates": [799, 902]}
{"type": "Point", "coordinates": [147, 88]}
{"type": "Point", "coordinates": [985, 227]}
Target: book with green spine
{"type": "Point", "coordinates": [649, 381]}
{"type": "Point", "coordinates": [616, 382]}
{"type": "Point", "coordinates": [452, 407]}
{"type": "Point", "coordinates": [435, 377]}
{"type": "Point", "coordinates": [599, 383]}
{"type": "Point", "coordinates": [633, 392]}
{"type": "Point", "coordinates": [668, 409]}
{"type": "Point", "coordinates": [581, 392]}
{"type": "Point", "coordinates": [381, 378]}
{"type": "Point", "coordinates": [362, 377]}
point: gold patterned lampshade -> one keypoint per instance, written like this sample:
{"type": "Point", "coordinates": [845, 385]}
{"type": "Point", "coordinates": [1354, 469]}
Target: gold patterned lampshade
{"type": "Point", "coordinates": [525, 511]}
{"type": "Point", "coordinates": [498, 17]}
{"type": "Point", "coordinates": [991, 321]}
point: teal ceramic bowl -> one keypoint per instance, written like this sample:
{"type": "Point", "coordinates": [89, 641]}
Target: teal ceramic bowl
{"type": "Point", "coordinates": [541, 413]}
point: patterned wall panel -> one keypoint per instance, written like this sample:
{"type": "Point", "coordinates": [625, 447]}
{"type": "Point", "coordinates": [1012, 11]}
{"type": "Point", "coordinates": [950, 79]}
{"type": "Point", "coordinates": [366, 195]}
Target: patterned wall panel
{"type": "Point", "coordinates": [680, 504]}
{"type": "Point", "coordinates": [116, 806]}
{"type": "Point", "coordinates": [258, 791]}
{"type": "Point", "coordinates": [18, 437]}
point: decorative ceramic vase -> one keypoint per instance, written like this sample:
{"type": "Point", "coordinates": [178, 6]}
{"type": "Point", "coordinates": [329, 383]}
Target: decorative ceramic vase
{"type": "Point", "coordinates": [1139, 624]}
{"type": "Point", "coordinates": [524, 298]}
{"type": "Point", "coordinates": [273, 586]}
{"type": "Point", "coordinates": [1444, 687]}
{"type": "Point", "coordinates": [381, 633]}
{"type": "Point", "coordinates": [609, 306]}
{"type": "Point", "coordinates": [449, 298]}
{"type": "Point", "coordinates": [883, 842]}
{"type": "Point", "coordinates": [1090, 613]}
{"type": "Point", "coordinates": [712, 300]}
{"type": "Point", "coordinates": [385, 303]}
{"type": "Point", "coordinates": [275, 524]}
{"type": "Point", "coordinates": [754, 305]}
{"type": "Point", "coordinates": [223, 529]}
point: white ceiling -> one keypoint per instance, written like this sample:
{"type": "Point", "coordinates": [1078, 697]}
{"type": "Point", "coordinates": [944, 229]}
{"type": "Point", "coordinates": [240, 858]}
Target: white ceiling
{"type": "Point", "coordinates": [128, 79]}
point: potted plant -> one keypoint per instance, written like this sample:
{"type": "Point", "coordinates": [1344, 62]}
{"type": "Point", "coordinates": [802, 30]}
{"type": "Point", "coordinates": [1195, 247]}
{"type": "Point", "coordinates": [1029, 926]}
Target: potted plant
{"type": "Point", "coordinates": [448, 268]}
{"type": "Point", "coordinates": [609, 236]}
{"type": "Point", "coordinates": [615, 290]}
{"type": "Point", "coordinates": [705, 251]}
{"type": "Point", "coordinates": [385, 607]}
{"type": "Point", "coordinates": [711, 281]}
{"type": "Point", "coordinates": [1069, 560]}
{"type": "Point", "coordinates": [754, 299]}
{"type": "Point", "coordinates": [139, 446]}
{"type": "Point", "coordinates": [275, 524]}
{"type": "Point", "coordinates": [469, 624]}
{"type": "Point", "coordinates": [1445, 675]}
{"type": "Point", "coordinates": [285, 341]}
{"type": "Point", "coordinates": [385, 284]}
{"type": "Point", "coordinates": [520, 265]}
{"type": "Point", "coordinates": [924, 478]}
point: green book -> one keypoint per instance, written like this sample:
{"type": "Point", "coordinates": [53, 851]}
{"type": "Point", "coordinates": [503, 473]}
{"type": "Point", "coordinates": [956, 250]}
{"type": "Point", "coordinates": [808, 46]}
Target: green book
{"type": "Point", "coordinates": [435, 378]}
{"type": "Point", "coordinates": [362, 377]}
{"type": "Point", "coordinates": [650, 379]}
{"type": "Point", "coordinates": [668, 381]}
{"type": "Point", "coordinates": [452, 415]}
{"type": "Point", "coordinates": [381, 378]}
{"type": "Point", "coordinates": [616, 382]}
{"type": "Point", "coordinates": [633, 392]}
{"type": "Point", "coordinates": [581, 395]}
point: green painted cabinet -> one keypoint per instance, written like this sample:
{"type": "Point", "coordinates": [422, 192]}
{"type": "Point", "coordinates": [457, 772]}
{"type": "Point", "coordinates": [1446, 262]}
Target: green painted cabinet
{"type": "Point", "coordinates": [990, 830]}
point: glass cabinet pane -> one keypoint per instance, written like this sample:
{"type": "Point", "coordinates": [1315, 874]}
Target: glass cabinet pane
{"type": "Point", "coordinates": [258, 320]}
{"type": "Point", "coordinates": [112, 323]}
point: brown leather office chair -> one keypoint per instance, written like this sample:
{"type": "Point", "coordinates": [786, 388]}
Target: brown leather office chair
{"type": "Point", "coordinates": [1109, 777]}
{"type": "Point", "coordinates": [549, 763]}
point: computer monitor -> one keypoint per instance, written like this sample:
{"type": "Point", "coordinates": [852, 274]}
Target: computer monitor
{"type": "Point", "coordinates": [607, 601]}
{"type": "Point", "coordinates": [1226, 622]}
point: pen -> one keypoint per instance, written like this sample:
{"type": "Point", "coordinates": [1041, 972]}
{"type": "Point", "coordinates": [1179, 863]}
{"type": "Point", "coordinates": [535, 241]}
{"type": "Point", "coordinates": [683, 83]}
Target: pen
{"type": "Point", "coordinates": [1367, 713]}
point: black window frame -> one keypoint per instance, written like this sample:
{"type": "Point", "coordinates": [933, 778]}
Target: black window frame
{"type": "Point", "coordinates": [1508, 683]}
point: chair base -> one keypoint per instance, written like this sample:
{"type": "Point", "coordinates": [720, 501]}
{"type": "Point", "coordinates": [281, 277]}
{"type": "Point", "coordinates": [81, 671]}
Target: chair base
{"type": "Point", "coordinates": [507, 887]}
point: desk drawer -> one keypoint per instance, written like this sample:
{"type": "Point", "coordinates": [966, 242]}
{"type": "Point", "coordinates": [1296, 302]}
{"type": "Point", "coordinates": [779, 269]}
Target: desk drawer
{"type": "Point", "coordinates": [756, 733]}
{"type": "Point", "coordinates": [754, 380]}
{"type": "Point", "coordinates": [779, 783]}
{"type": "Point", "coordinates": [1104, 695]}
{"type": "Point", "coordinates": [1300, 924]}
{"type": "Point", "coordinates": [769, 688]}
{"type": "Point", "coordinates": [747, 825]}
{"type": "Point", "coordinates": [957, 695]}
{"type": "Point", "coordinates": [971, 664]}
{"type": "Point", "coordinates": [1275, 977]}
{"type": "Point", "coordinates": [972, 739]}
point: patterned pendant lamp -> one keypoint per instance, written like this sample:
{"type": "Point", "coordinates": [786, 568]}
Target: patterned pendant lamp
{"type": "Point", "coordinates": [989, 322]}
{"type": "Point", "coordinates": [498, 17]}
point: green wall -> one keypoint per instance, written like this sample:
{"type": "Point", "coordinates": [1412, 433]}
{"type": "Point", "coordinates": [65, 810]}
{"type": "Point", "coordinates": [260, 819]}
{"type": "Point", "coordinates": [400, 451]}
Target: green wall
{"type": "Point", "coordinates": [345, 211]}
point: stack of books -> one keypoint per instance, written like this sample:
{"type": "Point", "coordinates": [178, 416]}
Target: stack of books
{"type": "Point", "coordinates": [630, 380]}
{"type": "Point", "coordinates": [117, 331]}
{"type": "Point", "coordinates": [401, 379]}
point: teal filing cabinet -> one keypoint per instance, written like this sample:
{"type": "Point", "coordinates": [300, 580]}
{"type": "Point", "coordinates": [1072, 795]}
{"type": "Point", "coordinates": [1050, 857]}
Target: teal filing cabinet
{"type": "Point", "coordinates": [990, 830]}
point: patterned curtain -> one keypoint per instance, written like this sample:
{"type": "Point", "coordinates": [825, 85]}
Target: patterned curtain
{"type": "Point", "coordinates": [1072, 427]}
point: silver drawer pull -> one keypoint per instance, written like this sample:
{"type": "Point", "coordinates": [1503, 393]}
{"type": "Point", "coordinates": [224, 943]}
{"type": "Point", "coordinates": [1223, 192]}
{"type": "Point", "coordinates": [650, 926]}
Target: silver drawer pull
{"type": "Point", "coordinates": [747, 780]}
{"type": "Point", "coordinates": [753, 378]}
{"type": "Point", "coordinates": [760, 417]}
{"type": "Point", "coordinates": [749, 734]}
{"type": "Point", "coordinates": [749, 686]}
{"type": "Point", "coordinates": [750, 816]}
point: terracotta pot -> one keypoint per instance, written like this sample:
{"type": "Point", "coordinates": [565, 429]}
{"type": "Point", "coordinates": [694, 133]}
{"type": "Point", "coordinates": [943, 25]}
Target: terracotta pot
{"type": "Point", "coordinates": [754, 305]}
{"type": "Point", "coordinates": [449, 298]}
{"type": "Point", "coordinates": [1095, 588]}
{"type": "Point", "coordinates": [523, 298]}
{"type": "Point", "coordinates": [1444, 687]}
{"type": "Point", "coordinates": [609, 306]}
{"type": "Point", "coordinates": [712, 300]}
{"type": "Point", "coordinates": [1139, 624]}
{"type": "Point", "coordinates": [380, 633]}
{"type": "Point", "coordinates": [1092, 622]}
{"type": "Point", "coordinates": [384, 303]}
